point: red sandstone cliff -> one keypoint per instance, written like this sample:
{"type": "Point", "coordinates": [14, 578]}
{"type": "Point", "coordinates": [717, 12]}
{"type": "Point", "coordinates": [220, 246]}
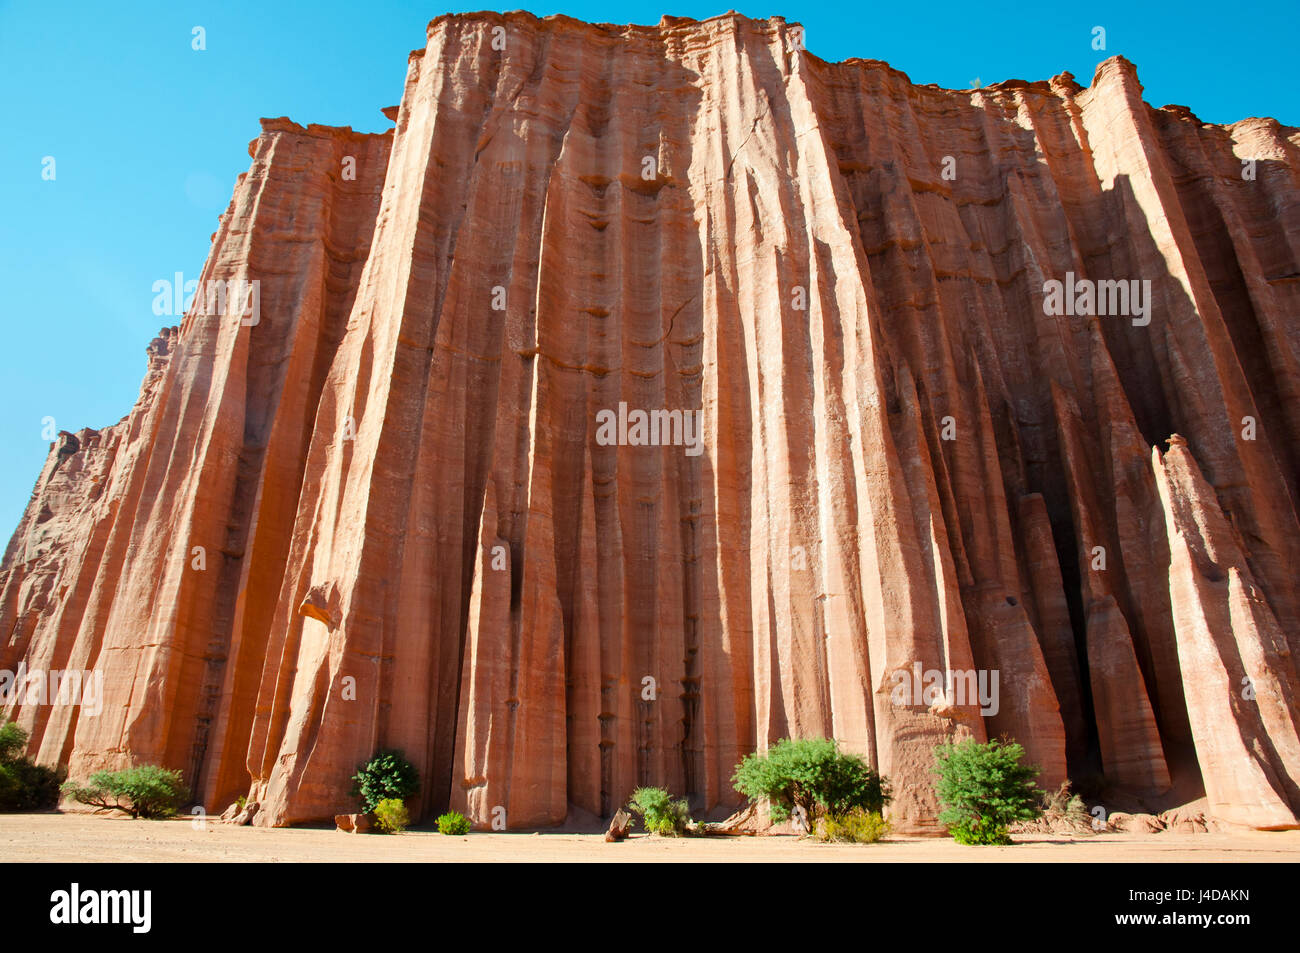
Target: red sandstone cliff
{"type": "Point", "coordinates": [411, 536]}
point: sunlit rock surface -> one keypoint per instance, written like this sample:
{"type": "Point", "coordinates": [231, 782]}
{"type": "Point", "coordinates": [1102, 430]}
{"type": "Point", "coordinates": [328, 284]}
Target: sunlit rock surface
{"type": "Point", "coordinates": [380, 516]}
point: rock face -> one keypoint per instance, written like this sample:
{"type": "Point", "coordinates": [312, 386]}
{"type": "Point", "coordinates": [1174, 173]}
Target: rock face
{"type": "Point", "coordinates": [393, 511]}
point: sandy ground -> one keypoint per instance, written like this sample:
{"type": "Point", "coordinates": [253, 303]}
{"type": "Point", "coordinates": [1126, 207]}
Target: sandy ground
{"type": "Point", "coordinates": [80, 838]}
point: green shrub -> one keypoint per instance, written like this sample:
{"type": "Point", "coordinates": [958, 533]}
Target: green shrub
{"type": "Point", "coordinates": [24, 785]}
{"type": "Point", "coordinates": [387, 775]}
{"type": "Point", "coordinates": [983, 788]}
{"type": "Point", "coordinates": [855, 827]}
{"type": "Point", "coordinates": [814, 775]}
{"type": "Point", "coordinates": [391, 816]}
{"type": "Point", "coordinates": [659, 813]}
{"type": "Point", "coordinates": [980, 832]}
{"type": "Point", "coordinates": [147, 791]}
{"type": "Point", "coordinates": [454, 823]}
{"type": "Point", "coordinates": [13, 740]}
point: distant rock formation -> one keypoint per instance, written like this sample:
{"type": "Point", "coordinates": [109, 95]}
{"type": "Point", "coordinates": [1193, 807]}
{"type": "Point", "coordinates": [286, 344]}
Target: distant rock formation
{"type": "Point", "coordinates": [378, 515]}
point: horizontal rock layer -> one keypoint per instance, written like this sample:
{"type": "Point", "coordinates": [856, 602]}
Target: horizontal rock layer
{"type": "Point", "coordinates": [385, 514]}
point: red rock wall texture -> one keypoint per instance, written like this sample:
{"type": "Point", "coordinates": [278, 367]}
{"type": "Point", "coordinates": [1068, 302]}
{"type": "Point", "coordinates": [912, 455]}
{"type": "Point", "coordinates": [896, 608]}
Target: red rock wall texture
{"type": "Point", "coordinates": [412, 536]}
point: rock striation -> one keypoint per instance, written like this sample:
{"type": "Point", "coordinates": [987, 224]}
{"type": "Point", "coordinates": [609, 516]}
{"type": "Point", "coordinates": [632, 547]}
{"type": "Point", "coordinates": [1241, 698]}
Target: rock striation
{"type": "Point", "coordinates": [380, 514]}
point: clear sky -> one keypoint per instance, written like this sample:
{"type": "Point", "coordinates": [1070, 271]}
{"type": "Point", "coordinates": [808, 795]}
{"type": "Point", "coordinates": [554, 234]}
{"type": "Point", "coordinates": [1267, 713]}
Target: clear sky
{"type": "Point", "coordinates": [148, 135]}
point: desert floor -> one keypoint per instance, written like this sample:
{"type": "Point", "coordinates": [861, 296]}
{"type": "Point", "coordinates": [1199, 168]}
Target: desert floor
{"type": "Point", "coordinates": [87, 839]}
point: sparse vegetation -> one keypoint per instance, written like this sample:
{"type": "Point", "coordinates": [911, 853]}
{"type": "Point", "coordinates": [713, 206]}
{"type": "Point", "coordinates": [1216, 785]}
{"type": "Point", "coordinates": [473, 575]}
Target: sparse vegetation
{"type": "Point", "coordinates": [1062, 801]}
{"type": "Point", "coordinates": [147, 791]}
{"type": "Point", "coordinates": [811, 776]}
{"type": "Point", "coordinates": [387, 775]}
{"type": "Point", "coordinates": [1063, 811]}
{"type": "Point", "coordinates": [391, 816]}
{"type": "Point", "coordinates": [453, 823]}
{"type": "Point", "coordinates": [659, 813]}
{"type": "Point", "coordinates": [854, 827]}
{"type": "Point", "coordinates": [24, 785]}
{"type": "Point", "coordinates": [983, 788]}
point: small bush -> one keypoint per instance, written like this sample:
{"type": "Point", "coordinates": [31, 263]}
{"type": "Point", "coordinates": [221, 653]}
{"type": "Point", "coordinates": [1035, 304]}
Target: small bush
{"type": "Point", "coordinates": [391, 816]}
{"type": "Point", "coordinates": [13, 739]}
{"type": "Point", "coordinates": [981, 832]}
{"type": "Point", "coordinates": [1063, 801]}
{"type": "Point", "coordinates": [659, 813]}
{"type": "Point", "coordinates": [387, 775]}
{"type": "Point", "coordinates": [855, 827]}
{"type": "Point", "coordinates": [1063, 812]}
{"type": "Point", "coordinates": [454, 823]}
{"type": "Point", "coordinates": [24, 785]}
{"type": "Point", "coordinates": [147, 791]}
{"type": "Point", "coordinates": [813, 775]}
{"type": "Point", "coordinates": [983, 788]}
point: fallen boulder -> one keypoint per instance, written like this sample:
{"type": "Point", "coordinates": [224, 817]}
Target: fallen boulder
{"type": "Point", "coordinates": [619, 827]}
{"type": "Point", "coordinates": [354, 823]}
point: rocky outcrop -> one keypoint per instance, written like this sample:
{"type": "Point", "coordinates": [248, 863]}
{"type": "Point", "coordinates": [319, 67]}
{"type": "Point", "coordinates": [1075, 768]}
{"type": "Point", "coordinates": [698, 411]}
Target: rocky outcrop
{"type": "Point", "coordinates": [395, 509]}
{"type": "Point", "coordinates": [354, 823]}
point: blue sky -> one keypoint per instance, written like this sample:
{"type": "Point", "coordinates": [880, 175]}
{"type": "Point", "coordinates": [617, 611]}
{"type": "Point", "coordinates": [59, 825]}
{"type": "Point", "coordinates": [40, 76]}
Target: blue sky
{"type": "Point", "coordinates": [148, 136]}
